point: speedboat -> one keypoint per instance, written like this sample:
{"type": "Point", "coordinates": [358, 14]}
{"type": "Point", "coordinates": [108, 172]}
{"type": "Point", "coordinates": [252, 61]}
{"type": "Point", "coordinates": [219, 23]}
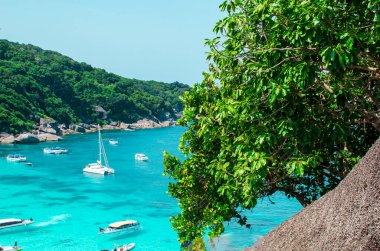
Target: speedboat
{"type": "Point", "coordinates": [141, 156]}
{"type": "Point", "coordinates": [13, 222]}
{"type": "Point", "coordinates": [16, 157]}
{"type": "Point", "coordinates": [113, 142]}
{"type": "Point", "coordinates": [55, 150]}
{"type": "Point", "coordinates": [120, 226]}
{"type": "Point", "coordinates": [125, 247]}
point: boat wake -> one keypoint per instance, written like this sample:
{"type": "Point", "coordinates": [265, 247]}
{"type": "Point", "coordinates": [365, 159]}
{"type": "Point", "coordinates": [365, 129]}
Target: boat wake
{"type": "Point", "coordinates": [53, 220]}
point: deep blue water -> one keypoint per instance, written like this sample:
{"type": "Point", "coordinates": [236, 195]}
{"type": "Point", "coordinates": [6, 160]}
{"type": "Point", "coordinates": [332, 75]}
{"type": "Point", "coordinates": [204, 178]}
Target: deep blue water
{"type": "Point", "coordinates": [69, 206]}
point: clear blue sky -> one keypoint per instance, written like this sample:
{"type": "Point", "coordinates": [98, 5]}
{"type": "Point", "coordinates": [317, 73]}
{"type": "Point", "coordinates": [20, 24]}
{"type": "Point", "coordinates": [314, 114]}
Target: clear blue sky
{"type": "Point", "coordinates": [159, 40]}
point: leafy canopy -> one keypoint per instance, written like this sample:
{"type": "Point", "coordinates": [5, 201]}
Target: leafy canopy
{"type": "Point", "coordinates": [290, 103]}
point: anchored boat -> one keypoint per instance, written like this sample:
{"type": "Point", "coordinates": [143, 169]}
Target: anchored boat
{"type": "Point", "coordinates": [98, 167]}
{"type": "Point", "coordinates": [55, 150]}
{"type": "Point", "coordinates": [16, 157]}
{"type": "Point", "coordinates": [120, 226]}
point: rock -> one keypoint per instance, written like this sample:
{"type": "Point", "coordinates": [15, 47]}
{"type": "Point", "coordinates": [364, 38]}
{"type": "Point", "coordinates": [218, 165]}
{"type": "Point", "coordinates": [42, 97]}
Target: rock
{"type": "Point", "coordinates": [26, 138]}
{"type": "Point", "coordinates": [346, 218]}
{"type": "Point", "coordinates": [4, 135]}
{"type": "Point", "coordinates": [48, 137]}
{"type": "Point", "coordinates": [48, 130]}
{"type": "Point", "coordinates": [80, 129]}
{"type": "Point", "coordinates": [143, 124]}
{"type": "Point", "coordinates": [124, 126]}
{"type": "Point", "coordinates": [7, 140]}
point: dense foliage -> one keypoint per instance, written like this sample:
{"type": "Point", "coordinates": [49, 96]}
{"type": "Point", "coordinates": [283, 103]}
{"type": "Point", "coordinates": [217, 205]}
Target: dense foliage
{"type": "Point", "coordinates": [290, 103]}
{"type": "Point", "coordinates": [40, 83]}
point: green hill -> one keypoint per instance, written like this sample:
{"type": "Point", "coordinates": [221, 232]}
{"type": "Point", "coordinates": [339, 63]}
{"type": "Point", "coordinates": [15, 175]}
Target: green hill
{"type": "Point", "coordinates": [40, 83]}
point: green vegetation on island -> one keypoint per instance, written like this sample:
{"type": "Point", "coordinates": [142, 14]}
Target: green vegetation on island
{"type": "Point", "coordinates": [290, 104]}
{"type": "Point", "coordinates": [40, 83]}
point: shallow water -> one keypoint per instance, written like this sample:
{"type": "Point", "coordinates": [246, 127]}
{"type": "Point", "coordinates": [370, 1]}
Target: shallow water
{"type": "Point", "coordinates": [69, 206]}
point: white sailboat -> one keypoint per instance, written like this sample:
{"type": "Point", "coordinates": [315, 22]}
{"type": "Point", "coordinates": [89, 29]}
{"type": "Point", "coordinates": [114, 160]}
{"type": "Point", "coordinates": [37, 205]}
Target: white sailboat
{"type": "Point", "coordinates": [98, 167]}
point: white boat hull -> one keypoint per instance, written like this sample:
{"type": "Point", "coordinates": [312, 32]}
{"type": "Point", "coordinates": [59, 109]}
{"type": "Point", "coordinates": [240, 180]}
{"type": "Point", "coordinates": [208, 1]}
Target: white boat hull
{"type": "Point", "coordinates": [114, 231]}
{"type": "Point", "coordinates": [50, 151]}
{"type": "Point", "coordinates": [23, 223]}
{"type": "Point", "coordinates": [98, 169]}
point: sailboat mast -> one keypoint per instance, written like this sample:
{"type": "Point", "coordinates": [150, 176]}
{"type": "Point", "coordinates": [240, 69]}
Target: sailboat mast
{"type": "Point", "coordinates": [100, 146]}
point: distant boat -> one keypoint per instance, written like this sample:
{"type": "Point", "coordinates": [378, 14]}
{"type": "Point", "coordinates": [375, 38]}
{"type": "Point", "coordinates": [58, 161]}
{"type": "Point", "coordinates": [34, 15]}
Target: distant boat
{"type": "Point", "coordinates": [98, 167]}
{"type": "Point", "coordinates": [125, 247]}
{"type": "Point", "coordinates": [113, 142]}
{"type": "Point", "coordinates": [141, 156]}
{"type": "Point", "coordinates": [13, 222]}
{"type": "Point", "coordinates": [11, 248]}
{"type": "Point", "coordinates": [55, 150]}
{"type": "Point", "coordinates": [120, 226]}
{"type": "Point", "coordinates": [16, 157]}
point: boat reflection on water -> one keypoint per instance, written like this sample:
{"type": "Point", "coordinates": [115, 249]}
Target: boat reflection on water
{"type": "Point", "coordinates": [94, 178]}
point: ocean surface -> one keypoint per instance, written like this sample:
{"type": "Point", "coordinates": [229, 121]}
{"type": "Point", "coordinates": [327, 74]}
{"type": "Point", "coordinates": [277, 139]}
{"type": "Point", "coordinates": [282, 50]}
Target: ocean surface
{"type": "Point", "coordinates": [68, 206]}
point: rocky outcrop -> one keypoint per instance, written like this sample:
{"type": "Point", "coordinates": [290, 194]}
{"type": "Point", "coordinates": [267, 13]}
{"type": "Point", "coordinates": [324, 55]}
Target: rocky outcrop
{"type": "Point", "coordinates": [346, 218]}
{"type": "Point", "coordinates": [48, 137]}
{"type": "Point", "coordinates": [27, 138]}
{"type": "Point", "coordinates": [49, 130]}
{"type": "Point", "coordinates": [7, 139]}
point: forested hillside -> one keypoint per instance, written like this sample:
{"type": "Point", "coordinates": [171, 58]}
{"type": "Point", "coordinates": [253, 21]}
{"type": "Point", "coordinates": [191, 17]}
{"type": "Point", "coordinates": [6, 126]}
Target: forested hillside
{"type": "Point", "coordinates": [39, 83]}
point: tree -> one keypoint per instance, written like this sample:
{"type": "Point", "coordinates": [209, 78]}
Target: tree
{"type": "Point", "coordinates": [290, 103]}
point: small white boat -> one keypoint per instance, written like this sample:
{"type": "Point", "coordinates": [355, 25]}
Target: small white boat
{"type": "Point", "coordinates": [16, 157]}
{"type": "Point", "coordinates": [98, 167]}
{"type": "Point", "coordinates": [125, 247]}
{"type": "Point", "coordinates": [11, 248]}
{"type": "Point", "coordinates": [13, 222]}
{"type": "Point", "coordinates": [141, 156]}
{"type": "Point", "coordinates": [120, 226]}
{"type": "Point", "coordinates": [55, 150]}
{"type": "Point", "coordinates": [113, 142]}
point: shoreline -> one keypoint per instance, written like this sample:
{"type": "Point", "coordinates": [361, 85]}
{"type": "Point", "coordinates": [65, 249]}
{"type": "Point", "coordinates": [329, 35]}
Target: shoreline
{"type": "Point", "coordinates": [54, 132]}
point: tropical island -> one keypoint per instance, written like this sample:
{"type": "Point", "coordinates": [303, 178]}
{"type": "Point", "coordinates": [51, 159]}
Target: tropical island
{"type": "Point", "coordinates": [45, 92]}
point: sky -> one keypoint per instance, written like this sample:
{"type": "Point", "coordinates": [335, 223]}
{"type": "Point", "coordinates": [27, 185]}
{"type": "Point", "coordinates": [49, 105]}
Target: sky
{"type": "Point", "coordinates": [160, 40]}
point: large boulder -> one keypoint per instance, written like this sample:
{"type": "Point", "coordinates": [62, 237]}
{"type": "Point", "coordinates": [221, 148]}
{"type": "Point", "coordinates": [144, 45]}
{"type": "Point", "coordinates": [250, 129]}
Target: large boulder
{"type": "Point", "coordinates": [48, 137]}
{"type": "Point", "coordinates": [47, 130]}
{"type": "Point", "coordinates": [346, 218]}
{"type": "Point", "coordinates": [7, 140]}
{"type": "Point", "coordinates": [27, 138]}
{"type": "Point", "coordinates": [144, 123]}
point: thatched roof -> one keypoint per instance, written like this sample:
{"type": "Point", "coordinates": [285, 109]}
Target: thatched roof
{"type": "Point", "coordinates": [346, 218]}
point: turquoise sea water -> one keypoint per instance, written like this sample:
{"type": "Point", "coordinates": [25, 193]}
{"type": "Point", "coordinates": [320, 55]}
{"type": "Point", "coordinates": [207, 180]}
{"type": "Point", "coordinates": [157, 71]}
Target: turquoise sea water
{"type": "Point", "coordinates": [69, 206]}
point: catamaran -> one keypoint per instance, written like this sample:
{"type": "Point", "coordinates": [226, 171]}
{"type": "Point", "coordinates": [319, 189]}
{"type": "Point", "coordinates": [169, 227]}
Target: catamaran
{"type": "Point", "coordinates": [120, 226]}
{"type": "Point", "coordinates": [98, 167]}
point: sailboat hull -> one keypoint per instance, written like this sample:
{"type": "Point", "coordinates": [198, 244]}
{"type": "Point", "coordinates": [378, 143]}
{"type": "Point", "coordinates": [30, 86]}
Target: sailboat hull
{"type": "Point", "coordinates": [98, 169]}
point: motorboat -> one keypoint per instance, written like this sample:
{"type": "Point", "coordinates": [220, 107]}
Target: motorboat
{"type": "Point", "coordinates": [13, 222]}
{"type": "Point", "coordinates": [113, 142]}
{"type": "Point", "coordinates": [16, 157]}
{"type": "Point", "coordinates": [98, 167]}
{"type": "Point", "coordinates": [12, 248]}
{"type": "Point", "coordinates": [125, 247]}
{"type": "Point", "coordinates": [55, 150]}
{"type": "Point", "coordinates": [120, 226]}
{"type": "Point", "coordinates": [141, 156]}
